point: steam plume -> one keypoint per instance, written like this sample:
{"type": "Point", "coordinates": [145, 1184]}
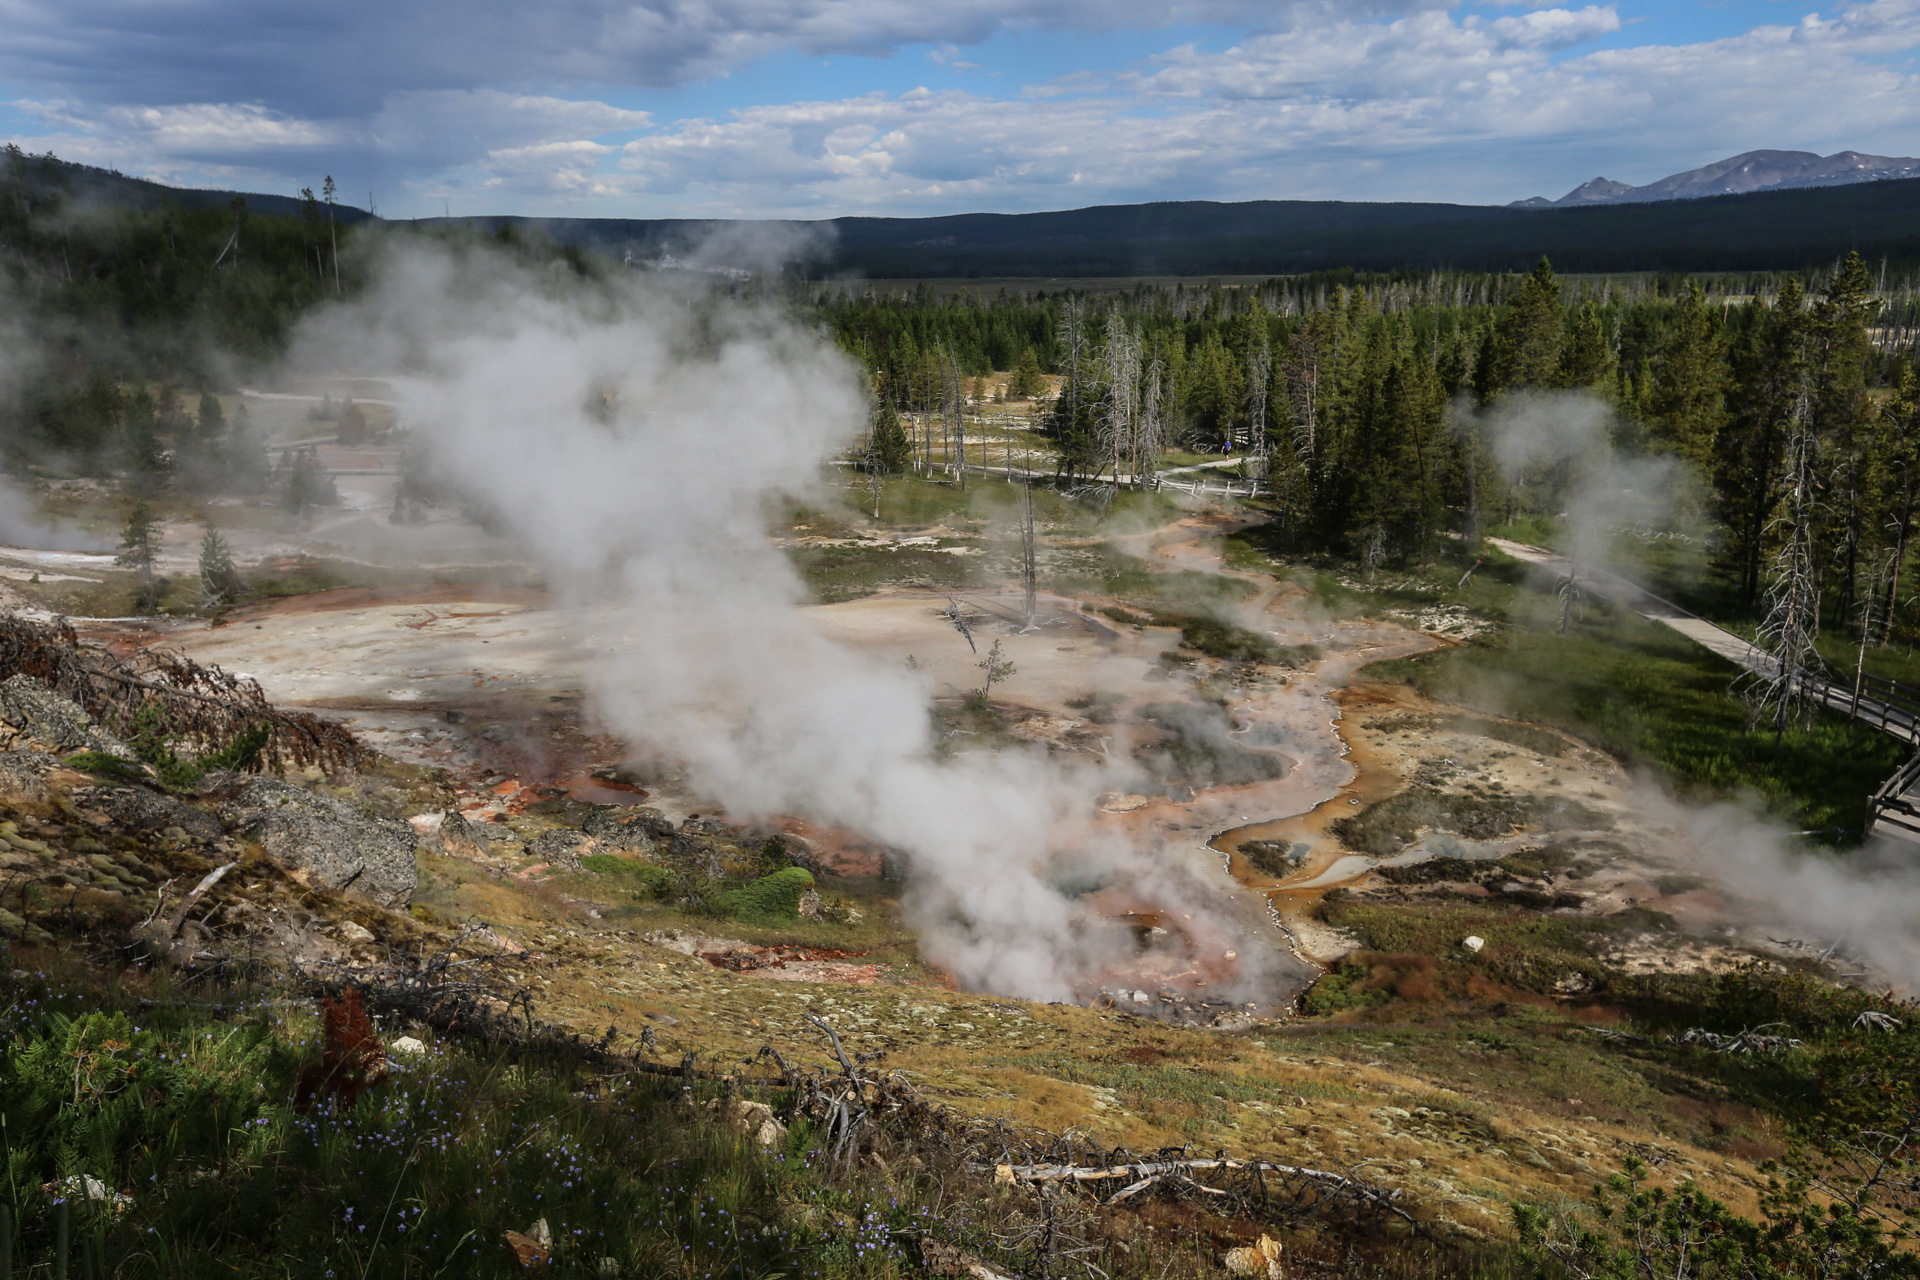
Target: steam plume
{"type": "Point", "coordinates": [633, 436]}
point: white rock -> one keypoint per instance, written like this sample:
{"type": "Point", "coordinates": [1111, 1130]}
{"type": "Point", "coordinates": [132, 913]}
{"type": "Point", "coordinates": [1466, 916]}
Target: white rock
{"type": "Point", "coordinates": [407, 1044]}
{"type": "Point", "coordinates": [353, 932]}
{"type": "Point", "coordinates": [1473, 942]}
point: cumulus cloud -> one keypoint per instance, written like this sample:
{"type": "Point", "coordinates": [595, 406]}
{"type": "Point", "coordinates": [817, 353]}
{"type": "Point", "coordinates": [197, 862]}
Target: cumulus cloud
{"type": "Point", "coordinates": [1430, 105]}
{"type": "Point", "coordinates": [348, 59]}
{"type": "Point", "coordinates": [1401, 99]}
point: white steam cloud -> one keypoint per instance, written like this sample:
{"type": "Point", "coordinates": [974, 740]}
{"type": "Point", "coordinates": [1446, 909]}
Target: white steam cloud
{"type": "Point", "coordinates": [634, 436]}
{"type": "Point", "coordinates": [1863, 905]}
{"type": "Point", "coordinates": [22, 524]}
{"type": "Point", "coordinates": [1555, 450]}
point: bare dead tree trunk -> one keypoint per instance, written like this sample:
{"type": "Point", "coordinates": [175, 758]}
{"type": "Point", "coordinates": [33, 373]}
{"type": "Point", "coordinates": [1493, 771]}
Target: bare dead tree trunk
{"type": "Point", "coordinates": [1259, 371]}
{"type": "Point", "coordinates": [1792, 623]}
{"type": "Point", "coordinates": [1029, 567]}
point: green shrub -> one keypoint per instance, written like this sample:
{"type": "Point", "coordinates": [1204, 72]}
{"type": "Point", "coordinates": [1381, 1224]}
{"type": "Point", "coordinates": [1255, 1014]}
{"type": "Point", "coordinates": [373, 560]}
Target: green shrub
{"type": "Point", "coordinates": [109, 767]}
{"type": "Point", "coordinates": [1339, 991]}
{"type": "Point", "coordinates": [770, 899]}
{"type": "Point", "coordinates": [632, 875]}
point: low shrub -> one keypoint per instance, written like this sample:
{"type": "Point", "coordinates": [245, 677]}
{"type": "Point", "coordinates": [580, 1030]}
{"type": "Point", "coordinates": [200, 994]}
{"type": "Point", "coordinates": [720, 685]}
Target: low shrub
{"type": "Point", "coordinates": [770, 899]}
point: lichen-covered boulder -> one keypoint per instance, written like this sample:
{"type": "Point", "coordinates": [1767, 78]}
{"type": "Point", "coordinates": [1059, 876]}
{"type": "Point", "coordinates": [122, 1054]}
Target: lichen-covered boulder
{"type": "Point", "coordinates": [460, 838]}
{"type": "Point", "coordinates": [42, 715]}
{"type": "Point", "coordinates": [562, 848]}
{"type": "Point", "coordinates": [143, 810]}
{"type": "Point", "coordinates": [628, 829]}
{"type": "Point", "coordinates": [334, 843]}
{"type": "Point", "coordinates": [23, 776]}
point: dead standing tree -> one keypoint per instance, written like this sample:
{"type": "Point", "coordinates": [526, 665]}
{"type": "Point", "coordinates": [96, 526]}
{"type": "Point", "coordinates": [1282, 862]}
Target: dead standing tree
{"type": "Point", "coordinates": [1259, 373]}
{"type": "Point", "coordinates": [1029, 571]}
{"type": "Point", "coordinates": [1150, 442]}
{"type": "Point", "coordinates": [1785, 681]}
{"type": "Point", "coordinates": [1121, 372]}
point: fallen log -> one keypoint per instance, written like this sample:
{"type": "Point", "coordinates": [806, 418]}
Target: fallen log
{"type": "Point", "coordinates": [1142, 1174]}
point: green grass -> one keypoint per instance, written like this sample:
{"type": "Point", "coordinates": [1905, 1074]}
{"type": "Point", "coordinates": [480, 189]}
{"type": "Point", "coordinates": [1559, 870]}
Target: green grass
{"type": "Point", "coordinates": [772, 899]}
{"type": "Point", "coordinates": [847, 573]}
{"type": "Point", "coordinates": [1656, 700]}
{"type": "Point", "coordinates": [644, 880]}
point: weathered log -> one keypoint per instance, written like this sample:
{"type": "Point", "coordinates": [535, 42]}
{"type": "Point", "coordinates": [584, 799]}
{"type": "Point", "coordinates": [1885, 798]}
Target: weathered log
{"type": "Point", "coordinates": [1145, 1173]}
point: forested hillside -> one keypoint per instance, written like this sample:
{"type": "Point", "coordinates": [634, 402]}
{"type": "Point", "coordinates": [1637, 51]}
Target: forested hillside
{"type": "Point", "coordinates": [116, 320]}
{"type": "Point", "coordinates": [1367, 399]}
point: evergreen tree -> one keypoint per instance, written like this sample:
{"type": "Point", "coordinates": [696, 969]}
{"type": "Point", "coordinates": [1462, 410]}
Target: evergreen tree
{"type": "Point", "coordinates": [307, 484]}
{"type": "Point", "coordinates": [1841, 415]}
{"type": "Point", "coordinates": [1896, 468]}
{"type": "Point", "coordinates": [1026, 381]}
{"type": "Point", "coordinates": [1586, 356]}
{"type": "Point", "coordinates": [892, 451]}
{"type": "Point", "coordinates": [1215, 389]}
{"type": "Point", "coordinates": [1768, 378]}
{"type": "Point", "coordinates": [1687, 405]}
{"type": "Point", "coordinates": [219, 580]}
{"type": "Point", "coordinates": [140, 551]}
{"type": "Point", "coordinates": [213, 419]}
{"type": "Point", "coordinates": [1527, 338]}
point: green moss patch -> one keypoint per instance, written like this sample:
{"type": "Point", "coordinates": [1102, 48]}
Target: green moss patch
{"type": "Point", "coordinates": [770, 899]}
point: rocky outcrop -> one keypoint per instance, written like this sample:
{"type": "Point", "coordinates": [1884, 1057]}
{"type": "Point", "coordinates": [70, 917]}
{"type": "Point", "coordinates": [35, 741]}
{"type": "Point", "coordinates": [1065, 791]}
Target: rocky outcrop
{"type": "Point", "coordinates": [38, 714]}
{"type": "Point", "coordinates": [562, 848]}
{"type": "Point", "coordinates": [458, 837]}
{"type": "Point", "coordinates": [139, 809]}
{"type": "Point", "coordinates": [628, 830]}
{"type": "Point", "coordinates": [330, 841]}
{"type": "Point", "coordinates": [23, 776]}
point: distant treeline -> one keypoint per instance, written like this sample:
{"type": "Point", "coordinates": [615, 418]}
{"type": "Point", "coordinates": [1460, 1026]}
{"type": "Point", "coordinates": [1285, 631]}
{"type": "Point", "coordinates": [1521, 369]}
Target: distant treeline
{"type": "Point", "coordinates": [116, 318]}
{"type": "Point", "coordinates": [1363, 397]}
{"type": "Point", "coordinates": [1348, 385]}
{"type": "Point", "coordinates": [1760, 231]}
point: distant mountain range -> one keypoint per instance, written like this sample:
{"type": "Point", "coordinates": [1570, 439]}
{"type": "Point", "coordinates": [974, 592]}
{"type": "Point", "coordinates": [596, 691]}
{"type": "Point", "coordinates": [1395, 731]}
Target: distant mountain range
{"type": "Point", "coordinates": [1738, 175]}
{"type": "Point", "coordinates": [1779, 228]}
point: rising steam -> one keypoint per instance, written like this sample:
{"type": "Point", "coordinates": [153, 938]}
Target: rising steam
{"type": "Point", "coordinates": [633, 436]}
{"type": "Point", "coordinates": [1555, 450]}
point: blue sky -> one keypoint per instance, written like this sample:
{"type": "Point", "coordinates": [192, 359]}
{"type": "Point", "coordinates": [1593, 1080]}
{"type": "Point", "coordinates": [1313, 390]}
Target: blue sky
{"type": "Point", "coordinates": [815, 108]}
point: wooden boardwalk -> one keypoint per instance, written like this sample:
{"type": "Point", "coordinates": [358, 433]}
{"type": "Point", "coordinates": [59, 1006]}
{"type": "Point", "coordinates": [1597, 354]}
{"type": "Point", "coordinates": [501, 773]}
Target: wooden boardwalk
{"type": "Point", "coordinates": [1889, 706]}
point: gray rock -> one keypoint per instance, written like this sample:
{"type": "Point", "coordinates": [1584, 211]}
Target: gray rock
{"type": "Point", "coordinates": [144, 810]}
{"type": "Point", "coordinates": [459, 837]}
{"type": "Point", "coordinates": [39, 713]}
{"type": "Point", "coordinates": [627, 830]}
{"type": "Point", "coordinates": [562, 848]}
{"type": "Point", "coordinates": [802, 852]}
{"type": "Point", "coordinates": [23, 776]}
{"type": "Point", "coordinates": [335, 843]}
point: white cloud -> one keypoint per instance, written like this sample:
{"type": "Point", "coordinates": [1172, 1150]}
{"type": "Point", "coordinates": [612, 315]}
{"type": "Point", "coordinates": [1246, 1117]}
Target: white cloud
{"type": "Point", "coordinates": [1394, 99]}
{"type": "Point", "coordinates": [541, 145]}
{"type": "Point", "coordinates": [1427, 106]}
{"type": "Point", "coordinates": [350, 57]}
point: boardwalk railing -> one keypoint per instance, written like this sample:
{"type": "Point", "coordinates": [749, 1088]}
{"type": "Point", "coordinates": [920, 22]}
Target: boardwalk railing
{"type": "Point", "coordinates": [1893, 704]}
{"type": "Point", "coordinates": [1887, 705]}
{"type": "Point", "coordinates": [1890, 803]}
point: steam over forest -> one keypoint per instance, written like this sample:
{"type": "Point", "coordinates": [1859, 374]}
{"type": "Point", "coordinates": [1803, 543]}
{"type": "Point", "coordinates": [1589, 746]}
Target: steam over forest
{"type": "Point", "coordinates": [1497, 945]}
{"type": "Point", "coordinates": [1359, 395]}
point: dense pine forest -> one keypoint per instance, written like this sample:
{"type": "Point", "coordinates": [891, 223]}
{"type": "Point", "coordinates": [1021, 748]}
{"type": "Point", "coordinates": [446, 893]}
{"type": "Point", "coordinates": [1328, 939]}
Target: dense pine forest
{"type": "Point", "coordinates": [1372, 405]}
{"type": "Point", "coordinates": [1369, 406]}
